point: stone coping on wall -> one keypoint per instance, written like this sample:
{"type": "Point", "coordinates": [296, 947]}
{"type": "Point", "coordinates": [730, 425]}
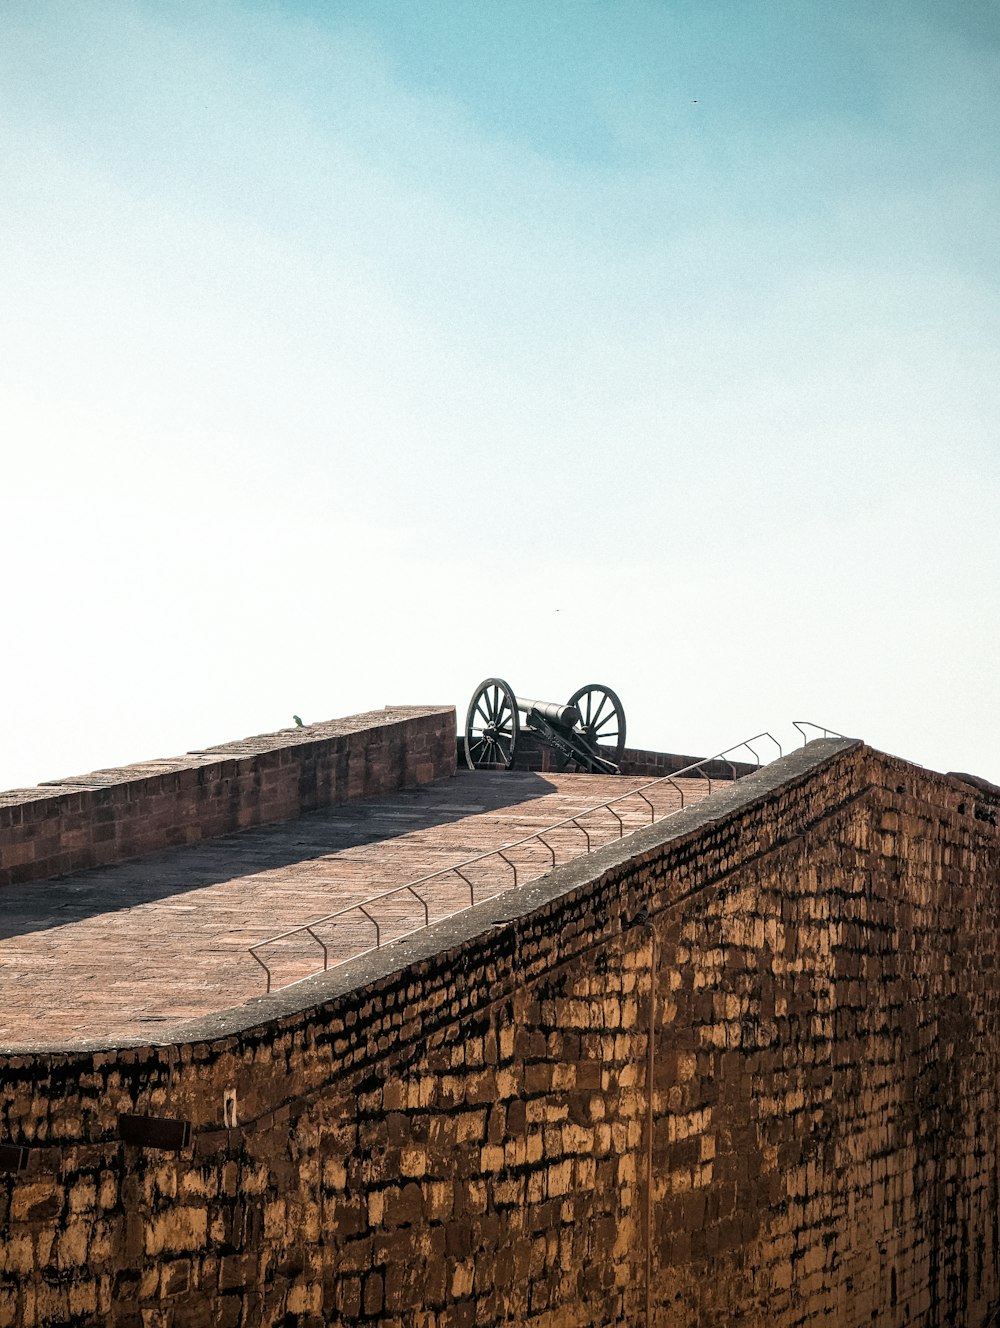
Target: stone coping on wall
{"type": "Point", "coordinates": [434, 943]}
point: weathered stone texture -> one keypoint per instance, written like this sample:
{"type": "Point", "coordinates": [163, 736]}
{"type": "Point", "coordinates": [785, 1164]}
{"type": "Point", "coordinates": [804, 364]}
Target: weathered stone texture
{"type": "Point", "coordinates": [491, 1136]}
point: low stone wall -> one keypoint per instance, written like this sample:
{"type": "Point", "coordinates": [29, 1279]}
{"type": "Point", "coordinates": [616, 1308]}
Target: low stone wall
{"type": "Point", "coordinates": [740, 1067]}
{"type": "Point", "coordinates": [111, 815]}
{"type": "Point", "coordinates": [534, 754]}
{"type": "Point", "coordinates": [636, 761]}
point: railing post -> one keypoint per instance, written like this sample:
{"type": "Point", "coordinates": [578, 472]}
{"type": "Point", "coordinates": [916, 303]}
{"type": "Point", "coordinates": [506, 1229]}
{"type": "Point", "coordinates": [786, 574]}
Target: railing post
{"type": "Point", "coordinates": [501, 854]}
{"type": "Point", "coordinates": [322, 945]}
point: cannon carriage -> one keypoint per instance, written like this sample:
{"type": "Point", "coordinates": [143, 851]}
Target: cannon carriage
{"type": "Point", "coordinates": [588, 731]}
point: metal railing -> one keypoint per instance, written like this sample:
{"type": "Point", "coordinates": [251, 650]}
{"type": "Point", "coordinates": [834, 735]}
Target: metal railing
{"type": "Point", "coordinates": [803, 724]}
{"type": "Point", "coordinates": [695, 769]}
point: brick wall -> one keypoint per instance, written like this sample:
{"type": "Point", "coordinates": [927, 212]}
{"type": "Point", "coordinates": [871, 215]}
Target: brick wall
{"type": "Point", "coordinates": [111, 815]}
{"type": "Point", "coordinates": [738, 1069]}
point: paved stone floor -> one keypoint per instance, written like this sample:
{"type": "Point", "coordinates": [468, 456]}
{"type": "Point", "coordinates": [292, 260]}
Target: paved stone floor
{"type": "Point", "coordinates": [126, 951]}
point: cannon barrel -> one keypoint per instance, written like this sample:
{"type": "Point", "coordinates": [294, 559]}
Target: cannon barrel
{"type": "Point", "coordinates": [567, 715]}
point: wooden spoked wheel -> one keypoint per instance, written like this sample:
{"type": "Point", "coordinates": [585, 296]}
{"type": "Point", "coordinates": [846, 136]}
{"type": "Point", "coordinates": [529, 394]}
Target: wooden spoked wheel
{"type": "Point", "coordinates": [491, 726]}
{"type": "Point", "coordinates": [602, 720]}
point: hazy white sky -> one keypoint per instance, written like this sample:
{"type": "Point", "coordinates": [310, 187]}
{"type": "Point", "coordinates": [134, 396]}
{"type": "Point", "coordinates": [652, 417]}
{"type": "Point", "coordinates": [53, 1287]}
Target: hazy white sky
{"type": "Point", "coordinates": [352, 352]}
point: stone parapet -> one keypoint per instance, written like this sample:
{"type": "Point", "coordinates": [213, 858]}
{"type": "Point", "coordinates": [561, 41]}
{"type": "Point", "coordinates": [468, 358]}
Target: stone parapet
{"type": "Point", "coordinates": [112, 815]}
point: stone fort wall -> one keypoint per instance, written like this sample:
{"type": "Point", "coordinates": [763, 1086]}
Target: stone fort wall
{"type": "Point", "coordinates": [739, 1069]}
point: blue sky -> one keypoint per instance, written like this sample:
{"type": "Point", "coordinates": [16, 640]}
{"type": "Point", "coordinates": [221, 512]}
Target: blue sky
{"type": "Point", "coordinates": [352, 352]}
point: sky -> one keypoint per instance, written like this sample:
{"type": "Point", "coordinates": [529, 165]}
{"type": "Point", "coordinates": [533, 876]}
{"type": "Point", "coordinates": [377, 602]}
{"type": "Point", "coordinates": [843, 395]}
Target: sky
{"type": "Point", "coordinates": [353, 352]}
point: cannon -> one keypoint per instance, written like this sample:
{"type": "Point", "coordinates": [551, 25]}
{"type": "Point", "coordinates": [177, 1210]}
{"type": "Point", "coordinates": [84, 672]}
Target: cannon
{"type": "Point", "coordinates": [589, 730]}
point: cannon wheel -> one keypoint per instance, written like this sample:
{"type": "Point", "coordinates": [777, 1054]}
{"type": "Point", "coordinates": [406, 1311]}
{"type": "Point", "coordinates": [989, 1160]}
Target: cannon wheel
{"type": "Point", "coordinates": [602, 720]}
{"type": "Point", "coordinates": [491, 726]}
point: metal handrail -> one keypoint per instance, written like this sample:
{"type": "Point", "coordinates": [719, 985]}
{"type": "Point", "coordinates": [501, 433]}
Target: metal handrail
{"type": "Point", "coordinates": [803, 724]}
{"type": "Point", "coordinates": [457, 870]}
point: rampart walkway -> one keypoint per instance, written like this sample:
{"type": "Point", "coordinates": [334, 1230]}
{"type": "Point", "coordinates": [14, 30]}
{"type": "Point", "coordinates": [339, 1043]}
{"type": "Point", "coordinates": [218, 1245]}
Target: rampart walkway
{"type": "Point", "coordinates": [124, 952]}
